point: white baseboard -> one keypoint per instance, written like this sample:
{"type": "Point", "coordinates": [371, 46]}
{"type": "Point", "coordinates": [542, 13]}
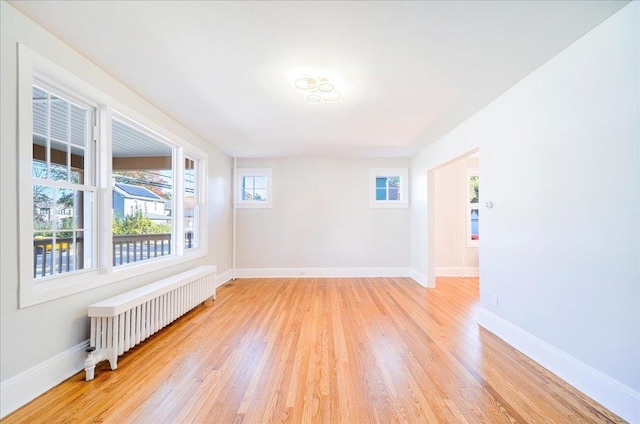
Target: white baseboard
{"type": "Point", "coordinates": [223, 277]}
{"type": "Point", "coordinates": [471, 271]}
{"type": "Point", "coordinates": [419, 277]}
{"type": "Point", "coordinates": [447, 271]}
{"type": "Point", "coordinates": [22, 388]}
{"type": "Point", "coordinates": [617, 397]}
{"type": "Point", "coordinates": [456, 271]}
{"type": "Point", "coordinates": [320, 272]}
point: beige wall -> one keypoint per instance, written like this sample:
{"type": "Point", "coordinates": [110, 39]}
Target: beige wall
{"type": "Point", "coordinates": [451, 250]}
{"type": "Point", "coordinates": [321, 218]}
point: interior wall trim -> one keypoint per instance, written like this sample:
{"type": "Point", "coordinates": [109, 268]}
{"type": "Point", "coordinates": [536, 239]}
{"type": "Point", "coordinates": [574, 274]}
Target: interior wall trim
{"type": "Point", "coordinates": [610, 393]}
{"type": "Point", "coordinates": [22, 388]}
{"type": "Point", "coordinates": [457, 271]}
{"type": "Point", "coordinates": [320, 272]}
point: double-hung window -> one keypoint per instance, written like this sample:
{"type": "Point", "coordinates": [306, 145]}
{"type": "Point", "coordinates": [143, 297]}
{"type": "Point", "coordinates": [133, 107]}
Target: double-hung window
{"type": "Point", "coordinates": [101, 189]}
{"type": "Point", "coordinates": [63, 182]}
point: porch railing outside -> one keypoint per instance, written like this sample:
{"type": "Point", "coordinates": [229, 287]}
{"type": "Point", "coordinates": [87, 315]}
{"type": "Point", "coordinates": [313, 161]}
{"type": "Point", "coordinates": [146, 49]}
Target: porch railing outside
{"type": "Point", "coordinates": [125, 249]}
{"type": "Point", "coordinates": [68, 257]}
{"type": "Point", "coordinates": [43, 255]}
{"type": "Point", "coordinates": [135, 248]}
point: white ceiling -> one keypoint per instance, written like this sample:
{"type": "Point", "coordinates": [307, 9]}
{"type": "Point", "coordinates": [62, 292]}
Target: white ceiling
{"type": "Point", "coordinates": [409, 71]}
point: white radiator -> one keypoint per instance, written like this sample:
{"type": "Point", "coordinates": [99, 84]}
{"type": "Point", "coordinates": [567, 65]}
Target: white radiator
{"type": "Point", "coordinates": [121, 322]}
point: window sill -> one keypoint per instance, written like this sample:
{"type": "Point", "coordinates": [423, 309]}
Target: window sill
{"type": "Point", "coordinates": [265, 205]}
{"type": "Point", "coordinates": [34, 292]}
{"type": "Point", "coordinates": [388, 205]}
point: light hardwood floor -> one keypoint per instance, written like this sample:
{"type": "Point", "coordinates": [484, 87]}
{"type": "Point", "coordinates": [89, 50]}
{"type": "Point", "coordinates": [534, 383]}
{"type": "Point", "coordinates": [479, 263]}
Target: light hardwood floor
{"type": "Point", "coordinates": [341, 350]}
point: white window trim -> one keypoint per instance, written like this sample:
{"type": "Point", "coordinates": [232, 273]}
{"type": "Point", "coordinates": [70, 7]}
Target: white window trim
{"type": "Point", "coordinates": [177, 160]}
{"type": "Point", "coordinates": [403, 173]}
{"type": "Point", "coordinates": [470, 172]}
{"type": "Point", "coordinates": [92, 175]}
{"type": "Point", "coordinates": [200, 206]}
{"type": "Point", "coordinates": [246, 172]}
{"type": "Point", "coordinates": [31, 291]}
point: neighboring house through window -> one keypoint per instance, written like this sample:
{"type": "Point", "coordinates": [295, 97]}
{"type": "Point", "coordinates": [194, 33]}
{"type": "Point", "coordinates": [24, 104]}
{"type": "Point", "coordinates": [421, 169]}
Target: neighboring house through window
{"type": "Point", "coordinates": [142, 170]}
{"type": "Point", "coordinates": [131, 199]}
{"type": "Point", "coordinates": [388, 188]}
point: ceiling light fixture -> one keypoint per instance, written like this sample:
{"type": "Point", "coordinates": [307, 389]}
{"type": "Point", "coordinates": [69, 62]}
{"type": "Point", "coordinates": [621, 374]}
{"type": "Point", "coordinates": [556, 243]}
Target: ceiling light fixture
{"type": "Point", "coordinates": [317, 90]}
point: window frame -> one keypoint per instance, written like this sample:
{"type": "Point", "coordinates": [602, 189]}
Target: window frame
{"type": "Point", "coordinates": [31, 291]}
{"type": "Point", "coordinates": [471, 172]}
{"type": "Point", "coordinates": [403, 174]}
{"type": "Point", "coordinates": [198, 206]}
{"type": "Point", "coordinates": [177, 245]}
{"type": "Point", "coordinates": [90, 173]}
{"type": "Point", "coordinates": [253, 172]}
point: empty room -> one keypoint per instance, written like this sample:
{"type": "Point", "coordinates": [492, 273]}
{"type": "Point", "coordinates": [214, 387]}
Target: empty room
{"type": "Point", "coordinates": [320, 212]}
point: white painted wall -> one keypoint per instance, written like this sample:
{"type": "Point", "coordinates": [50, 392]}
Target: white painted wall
{"type": "Point", "coordinates": [321, 218]}
{"type": "Point", "coordinates": [560, 159]}
{"type": "Point", "coordinates": [453, 256]}
{"type": "Point", "coordinates": [30, 336]}
{"type": "Point", "coordinates": [449, 228]}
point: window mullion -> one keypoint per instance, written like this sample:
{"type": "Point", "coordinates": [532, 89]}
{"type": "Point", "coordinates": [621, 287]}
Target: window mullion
{"type": "Point", "coordinates": [387, 182]}
{"type": "Point", "coordinates": [103, 209]}
{"type": "Point", "coordinates": [63, 184]}
{"type": "Point", "coordinates": [178, 199]}
{"type": "Point", "coordinates": [48, 141]}
{"type": "Point", "coordinates": [68, 142]}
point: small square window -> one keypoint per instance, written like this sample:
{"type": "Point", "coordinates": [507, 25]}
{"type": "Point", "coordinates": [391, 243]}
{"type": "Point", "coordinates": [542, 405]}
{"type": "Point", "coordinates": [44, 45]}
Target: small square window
{"type": "Point", "coordinates": [254, 188]}
{"type": "Point", "coordinates": [389, 188]}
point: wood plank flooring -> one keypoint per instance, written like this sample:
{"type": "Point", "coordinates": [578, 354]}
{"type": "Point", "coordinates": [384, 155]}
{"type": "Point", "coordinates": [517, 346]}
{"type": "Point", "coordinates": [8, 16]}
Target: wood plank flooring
{"type": "Point", "coordinates": [337, 350]}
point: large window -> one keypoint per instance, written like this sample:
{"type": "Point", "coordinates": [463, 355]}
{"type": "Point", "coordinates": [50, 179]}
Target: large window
{"type": "Point", "coordinates": [142, 169]}
{"type": "Point", "coordinates": [104, 190]}
{"type": "Point", "coordinates": [63, 187]}
{"type": "Point", "coordinates": [388, 188]}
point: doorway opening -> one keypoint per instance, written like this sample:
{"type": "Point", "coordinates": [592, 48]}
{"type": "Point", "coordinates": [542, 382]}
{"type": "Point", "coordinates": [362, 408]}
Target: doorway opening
{"type": "Point", "coordinates": [454, 218]}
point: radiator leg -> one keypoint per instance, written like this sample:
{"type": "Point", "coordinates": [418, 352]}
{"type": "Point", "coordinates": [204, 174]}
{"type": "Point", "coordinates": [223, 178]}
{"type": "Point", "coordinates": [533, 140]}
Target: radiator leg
{"type": "Point", "coordinates": [89, 372]}
{"type": "Point", "coordinates": [91, 361]}
{"type": "Point", "coordinates": [113, 362]}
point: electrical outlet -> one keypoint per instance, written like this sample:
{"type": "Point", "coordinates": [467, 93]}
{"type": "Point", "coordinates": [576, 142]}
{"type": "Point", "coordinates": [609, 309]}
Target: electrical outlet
{"type": "Point", "coordinates": [494, 299]}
